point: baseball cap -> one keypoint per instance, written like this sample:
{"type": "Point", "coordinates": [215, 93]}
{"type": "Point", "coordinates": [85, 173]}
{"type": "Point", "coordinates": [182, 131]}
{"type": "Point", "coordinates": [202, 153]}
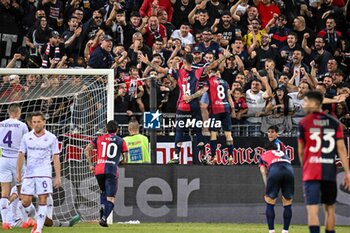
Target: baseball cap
{"type": "Point", "coordinates": [107, 38]}
{"type": "Point", "coordinates": [55, 34]}
{"type": "Point", "coordinates": [196, 50]}
{"type": "Point", "coordinates": [13, 77]}
{"type": "Point", "coordinates": [282, 88]}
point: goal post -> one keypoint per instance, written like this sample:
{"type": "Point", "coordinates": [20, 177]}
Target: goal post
{"type": "Point", "coordinates": [77, 102]}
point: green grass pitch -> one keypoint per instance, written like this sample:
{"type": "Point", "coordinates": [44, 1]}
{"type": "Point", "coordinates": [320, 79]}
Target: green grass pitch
{"type": "Point", "coordinates": [176, 228]}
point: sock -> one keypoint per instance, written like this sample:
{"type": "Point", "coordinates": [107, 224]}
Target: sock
{"type": "Point", "coordinates": [213, 145]}
{"type": "Point", "coordinates": [40, 219]}
{"type": "Point", "coordinates": [23, 211]}
{"type": "Point", "coordinates": [270, 216]}
{"type": "Point", "coordinates": [49, 207]}
{"type": "Point", "coordinates": [177, 152]}
{"type": "Point", "coordinates": [271, 231]}
{"type": "Point", "coordinates": [287, 217]}
{"type": "Point", "coordinates": [108, 209]}
{"type": "Point", "coordinates": [103, 200]}
{"type": "Point", "coordinates": [327, 231]}
{"type": "Point", "coordinates": [314, 229]}
{"type": "Point", "coordinates": [284, 231]}
{"type": "Point", "coordinates": [201, 149]}
{"type": "Point", "coordinates": [4, 206]}
{"type": "Point", "coordinates": [57, 223]}
{"type": "Point", "coordinates": [30, 210]}
{"type": "Point", "coordinates": [230, 147]}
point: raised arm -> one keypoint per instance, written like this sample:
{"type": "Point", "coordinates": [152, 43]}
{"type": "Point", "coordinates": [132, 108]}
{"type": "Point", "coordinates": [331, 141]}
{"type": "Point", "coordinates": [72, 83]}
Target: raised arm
{"type": "Point", "coordinates": [304, 44]}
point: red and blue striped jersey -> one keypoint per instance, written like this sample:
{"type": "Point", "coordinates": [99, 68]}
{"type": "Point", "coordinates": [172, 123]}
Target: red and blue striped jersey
{"type": "Point", "coordinates": [188, 85]}
{"type": "Point", "coordinates": [218, 99]}
{"type": "Point", "coordinates": [273, 156]}
{"type": "Point", "coordinates": [319, 132]}
{"type": "Point", "coordinates": [109, 149]}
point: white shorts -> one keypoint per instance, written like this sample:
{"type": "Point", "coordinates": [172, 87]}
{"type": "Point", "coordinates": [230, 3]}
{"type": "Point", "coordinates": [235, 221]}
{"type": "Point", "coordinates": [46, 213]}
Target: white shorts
{"type": "Point", "coordinates": [36, 185]}
{"type": "Point", "coordinates": [8, 169]}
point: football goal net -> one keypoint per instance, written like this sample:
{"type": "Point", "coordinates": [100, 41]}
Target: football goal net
{"type": "Point", "coordinates": [77, 103]}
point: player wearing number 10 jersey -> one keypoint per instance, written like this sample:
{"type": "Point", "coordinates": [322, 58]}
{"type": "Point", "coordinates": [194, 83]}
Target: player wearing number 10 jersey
{"type": "Point", "coordinates": [110, 148]}
{"type": "Point", "coordinates": [321, 138]}
{"type": "Point", "coordinates": [11, 133]}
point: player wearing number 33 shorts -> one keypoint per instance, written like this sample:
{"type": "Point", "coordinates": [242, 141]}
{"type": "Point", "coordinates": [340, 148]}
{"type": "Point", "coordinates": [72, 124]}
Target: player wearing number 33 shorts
{"type": "Point", "coordinates": [109, 147]}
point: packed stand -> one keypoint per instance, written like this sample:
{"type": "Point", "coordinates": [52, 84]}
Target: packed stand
{"type": "Point", "coordinates": [274, 51]}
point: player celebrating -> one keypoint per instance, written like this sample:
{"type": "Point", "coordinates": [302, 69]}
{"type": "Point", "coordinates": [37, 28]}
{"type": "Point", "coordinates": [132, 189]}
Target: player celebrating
{"type": "Point", "coordinates": [41, 148]}
{"type": "Point", "coordinates": [188, 103]}
{"type": "Point", "coordinates": [272, 135]}
{"type": "Point", "coordinates": [320, 139]}
{"type": "Point", "coordinates": [109, 149]}
{"type": "Point", "coordinates": [220, 105]}
{"type": "Point", "coordinates": [11, 133]}
{"type": "Point", "coordinates": [277, 173]}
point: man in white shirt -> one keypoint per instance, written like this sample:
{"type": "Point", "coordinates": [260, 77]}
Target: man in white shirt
{"type": "Point", "coordinates": [184, 35]}
{"type": "Point", "coordinates": [255, 102]}
{"type": "Point", "coordinates": [11, 133]}
{"type": "Point", "coordinates": [41, 147]}
{"type": "Point", "coordinates": [298, 101]}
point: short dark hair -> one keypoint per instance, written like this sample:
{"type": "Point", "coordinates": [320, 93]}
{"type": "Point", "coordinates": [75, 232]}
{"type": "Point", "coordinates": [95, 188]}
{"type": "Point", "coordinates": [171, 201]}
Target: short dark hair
{"type": "Point", "coordinates": [293, 34]}
{"type": "Point", "coordinates": [240, 90]}
{"type": "Point", "coordinates": [188, 58]}
{"type": "Point", "coordinates": [315, 96]}
{"type": "Point", "coordinates": [35, 114]}
{"type": "Point", "coordinates": [274, 128]}
{"type": "Point", "coordinates": [112, 126]}
{"type": "Point", "coordinates": [271, 146]}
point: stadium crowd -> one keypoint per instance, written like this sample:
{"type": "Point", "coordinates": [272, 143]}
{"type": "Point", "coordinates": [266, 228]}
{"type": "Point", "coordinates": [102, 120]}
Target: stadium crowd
{"type": "Point", "coordinates": [279, 50]}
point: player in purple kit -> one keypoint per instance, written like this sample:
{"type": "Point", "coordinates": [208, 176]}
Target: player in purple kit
{"type": "Point", "coordinates": [220, 105]}
{"type": "Point", "coordinates": [320, 139]}
{"type": "Point", "coordinates": [41, 148]}
{"type": "Point", "coordinates": [278, 174]}
{"type": "Point", "coordinates": [110, 148]}
{"type": "Point", "coordinates": [11, 133]}
{"type": "Point", "coordinates": [188, 103]}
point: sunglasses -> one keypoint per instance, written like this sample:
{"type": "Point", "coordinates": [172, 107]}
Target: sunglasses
{"type": "Point", "coordinates": [98, 17]}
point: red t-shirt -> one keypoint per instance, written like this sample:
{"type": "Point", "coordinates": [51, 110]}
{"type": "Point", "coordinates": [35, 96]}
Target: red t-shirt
{"type": "Point", "coordinates": [266, 13]}
{"type": "Point", "coordinates": [151, 36]}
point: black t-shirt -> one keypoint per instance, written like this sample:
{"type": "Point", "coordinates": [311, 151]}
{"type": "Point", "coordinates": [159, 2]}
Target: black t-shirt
{"type": "Point", "coordinates": [229, 75]}
{"type": "Point", "coordinates": [198, 28]}
{"type": "Point", "coordinates": [182, 12]}
{"type": "Point", "coordinates": [310, 40]}
{"type": "Point", "coordinates": [262, 55]}
{"type": "Point", "coordinates": [228, 33]}
{"type": "Point", "coordinates": [215, 11]}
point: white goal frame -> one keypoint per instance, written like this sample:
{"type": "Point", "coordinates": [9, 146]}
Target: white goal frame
{"type": "Point", "coordinates": [91, 72]}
